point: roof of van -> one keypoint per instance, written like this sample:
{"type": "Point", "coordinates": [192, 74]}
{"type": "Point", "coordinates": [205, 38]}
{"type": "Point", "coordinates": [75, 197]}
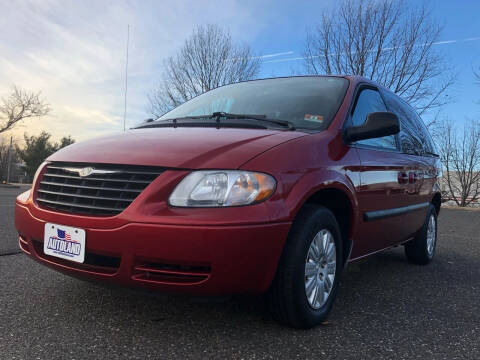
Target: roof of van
{"type": "Point", "coordinates": [352, 78]}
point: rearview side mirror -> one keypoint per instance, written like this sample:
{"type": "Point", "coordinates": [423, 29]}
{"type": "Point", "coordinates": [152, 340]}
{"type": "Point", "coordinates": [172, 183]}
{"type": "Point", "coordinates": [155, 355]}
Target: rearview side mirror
{"type": "Point", "coordinates": [378, 124]}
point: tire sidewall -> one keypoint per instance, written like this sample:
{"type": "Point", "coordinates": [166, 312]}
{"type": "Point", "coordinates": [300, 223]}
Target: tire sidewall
{"type": "Point", "coordinates": [417, 249]}
{"type": "Point", "coordinates": [320, 219]}
{"type": "Point", "coordinates": [431, 211]}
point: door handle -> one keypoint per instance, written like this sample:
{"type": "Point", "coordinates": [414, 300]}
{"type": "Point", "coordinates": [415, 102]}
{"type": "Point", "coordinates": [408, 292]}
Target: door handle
{"type": "Point", "coordinates": [403, 177]}
{"type": "Point", "coordinates": [412, 177]}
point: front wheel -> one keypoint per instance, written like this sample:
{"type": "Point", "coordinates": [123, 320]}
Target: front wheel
{"type": "Point", "coordinates": [422, 249]}
{"type": "Point", "coordinates": [307, 278]}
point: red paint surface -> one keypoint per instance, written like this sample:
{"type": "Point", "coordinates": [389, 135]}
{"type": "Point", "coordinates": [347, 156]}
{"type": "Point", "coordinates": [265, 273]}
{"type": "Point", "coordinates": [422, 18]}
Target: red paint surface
{"type": "Point", "coordinates": [240, 245]}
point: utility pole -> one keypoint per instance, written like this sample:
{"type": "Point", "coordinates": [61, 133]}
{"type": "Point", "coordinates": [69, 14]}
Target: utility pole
{"type": "Point", "coordinates": [126, 80]}
{"type": "Point", "coordinates": [9, 161]}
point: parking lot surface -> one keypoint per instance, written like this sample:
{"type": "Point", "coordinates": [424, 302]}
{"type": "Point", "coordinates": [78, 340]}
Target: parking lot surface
{"type": "Point", "coordinates": [385, 309]}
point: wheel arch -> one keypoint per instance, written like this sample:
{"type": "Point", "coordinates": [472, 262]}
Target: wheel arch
{"type": "Point", "coordinates": [437, 201]}
{"type": "Point", "coordinates": [341, 202]}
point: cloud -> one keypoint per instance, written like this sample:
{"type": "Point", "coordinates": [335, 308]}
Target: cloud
{"type": "Point", "coordinates": [74, 52]}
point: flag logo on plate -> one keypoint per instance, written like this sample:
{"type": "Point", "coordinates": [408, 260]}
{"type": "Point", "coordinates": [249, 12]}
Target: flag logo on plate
{"type": "Point", "coordinates": [64, 244]}
{"type": "Point", "coordinates": [62, 234]}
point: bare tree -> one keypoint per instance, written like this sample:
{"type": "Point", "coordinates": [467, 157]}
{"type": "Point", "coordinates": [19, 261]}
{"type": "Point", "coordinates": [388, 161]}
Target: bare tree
{"type": "Point", "coordinates": [207, 59]}
{"type": "Point", "coordinates": [460, 155]}
{"type": "Point", "coordinates": [20, 105]}
{"type": "Point", "coordinates": [385, 41]}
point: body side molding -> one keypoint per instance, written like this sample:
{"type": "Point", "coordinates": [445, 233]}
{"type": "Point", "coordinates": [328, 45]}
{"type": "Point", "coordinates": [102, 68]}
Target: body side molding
{"type": "Point", "coordinates": [382, 214]}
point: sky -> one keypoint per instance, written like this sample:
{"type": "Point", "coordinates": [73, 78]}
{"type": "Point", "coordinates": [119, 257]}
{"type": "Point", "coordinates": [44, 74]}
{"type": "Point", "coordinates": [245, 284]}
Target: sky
{"type": "Point", "coordinates": [74, 52]}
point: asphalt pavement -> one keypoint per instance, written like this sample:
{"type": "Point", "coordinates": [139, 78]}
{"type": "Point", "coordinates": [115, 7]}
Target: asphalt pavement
{"type": "Point", "coordinates": [385, 309]}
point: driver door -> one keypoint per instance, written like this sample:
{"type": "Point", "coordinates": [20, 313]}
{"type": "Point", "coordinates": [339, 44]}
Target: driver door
{"type": "Point", "coordinates": [381, 189]}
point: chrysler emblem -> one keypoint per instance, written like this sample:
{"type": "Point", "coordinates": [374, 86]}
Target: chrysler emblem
{"type": "Point", "coordinates": [85, 171]}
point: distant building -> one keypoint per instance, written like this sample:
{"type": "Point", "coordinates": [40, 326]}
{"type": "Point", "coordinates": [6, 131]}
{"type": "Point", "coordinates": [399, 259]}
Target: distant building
{"type": "Point", "coordinates": [17, 174]}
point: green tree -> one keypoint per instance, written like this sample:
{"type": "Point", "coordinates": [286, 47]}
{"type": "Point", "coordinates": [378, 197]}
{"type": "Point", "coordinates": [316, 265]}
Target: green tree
{"type": "Point", "coordinates": [64, 141]}
{"type": "Point", "coordinates": [38, 148]}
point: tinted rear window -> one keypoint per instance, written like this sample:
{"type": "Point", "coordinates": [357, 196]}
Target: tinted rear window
{"type": "Point", "coordinates": [414, 136]}
{"type": "Point", "coordinates": [308, 102]}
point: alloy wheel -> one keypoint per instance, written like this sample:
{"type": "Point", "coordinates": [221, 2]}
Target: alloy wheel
{"type": "Point", "coordinates": [320, 267]}
{"type": "Point", "coordinates": [431, 235]}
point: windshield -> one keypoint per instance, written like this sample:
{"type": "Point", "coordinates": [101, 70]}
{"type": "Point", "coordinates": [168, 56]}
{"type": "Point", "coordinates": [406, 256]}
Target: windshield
{"type": "Point", "coordinates": [307, 102]}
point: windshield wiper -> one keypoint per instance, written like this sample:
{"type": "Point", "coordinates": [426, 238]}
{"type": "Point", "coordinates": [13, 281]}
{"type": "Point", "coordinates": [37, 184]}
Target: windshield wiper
{"type": "Point", "coordinates": [218, 115]}
{"type": "Point", "coordinates": [194, 121]}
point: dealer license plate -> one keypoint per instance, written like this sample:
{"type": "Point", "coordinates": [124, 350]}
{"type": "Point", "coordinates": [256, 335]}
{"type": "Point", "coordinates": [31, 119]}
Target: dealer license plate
{"type": "Point", "coordinates": [64, 242]}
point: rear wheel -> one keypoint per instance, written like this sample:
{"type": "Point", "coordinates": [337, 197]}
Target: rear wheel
{"type": "Point", "coordinates": [305, 286]}
{"type": "Point", "coordinates": [422, 249]}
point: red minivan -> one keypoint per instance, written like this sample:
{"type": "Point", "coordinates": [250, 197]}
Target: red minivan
{"type": "Point", "coordinates": [267, 186]}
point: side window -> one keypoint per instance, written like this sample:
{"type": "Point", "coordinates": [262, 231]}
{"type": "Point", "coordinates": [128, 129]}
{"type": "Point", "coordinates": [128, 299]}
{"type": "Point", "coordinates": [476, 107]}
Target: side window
{"type": "Point", "coordinates": [425, 138]}
{"type": "Point", "coordinates": [414, 137]}
{"type": "Point", "coordinates": [370, 101]}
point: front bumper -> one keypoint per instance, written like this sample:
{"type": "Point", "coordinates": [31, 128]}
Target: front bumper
{"type": "Point", "coordinates": [195, 259]}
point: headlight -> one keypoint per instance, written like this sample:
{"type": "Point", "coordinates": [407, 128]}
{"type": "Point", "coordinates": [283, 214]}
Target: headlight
{"type": "Point", "coordinates": [222, 188]}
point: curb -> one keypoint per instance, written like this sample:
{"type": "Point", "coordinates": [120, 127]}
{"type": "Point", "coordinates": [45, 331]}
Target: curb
{"type": "Point", "coordinates": [460, 208]}
{"type": "Point", "coordinates": [15, 185]}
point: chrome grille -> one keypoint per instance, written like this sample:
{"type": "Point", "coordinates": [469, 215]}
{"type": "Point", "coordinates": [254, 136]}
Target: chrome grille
{"type": "Point", "coordinates": [106, 191]}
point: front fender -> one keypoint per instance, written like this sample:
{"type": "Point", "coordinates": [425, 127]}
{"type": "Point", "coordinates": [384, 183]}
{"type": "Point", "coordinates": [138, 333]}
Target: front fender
{"type": "Point", "coordinates": [318, 180]}
{"type": "Point", "coordinates": [305, 166]}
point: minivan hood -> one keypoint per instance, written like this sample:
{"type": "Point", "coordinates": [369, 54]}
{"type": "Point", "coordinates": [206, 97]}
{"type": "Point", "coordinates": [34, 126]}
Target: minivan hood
{"type": "Point", "coordinates": [188, 148]}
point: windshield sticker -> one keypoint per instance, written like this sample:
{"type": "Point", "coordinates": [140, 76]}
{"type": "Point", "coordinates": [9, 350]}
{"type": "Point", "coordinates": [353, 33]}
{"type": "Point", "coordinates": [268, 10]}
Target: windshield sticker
{"type": "Point", "coordinates": [316, 118]}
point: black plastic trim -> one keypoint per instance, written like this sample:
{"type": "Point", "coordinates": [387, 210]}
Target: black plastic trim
{"type": "Point", "coordinates": [383, 214]}
{"type": "Point", "coordinates": [358, 89]}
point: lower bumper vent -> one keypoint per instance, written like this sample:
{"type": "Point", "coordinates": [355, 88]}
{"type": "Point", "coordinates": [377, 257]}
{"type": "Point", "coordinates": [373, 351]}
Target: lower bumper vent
{"type": "Point", "coordinates": [97, 263]}
{"type": "Point", "coordinates": [170, 273]}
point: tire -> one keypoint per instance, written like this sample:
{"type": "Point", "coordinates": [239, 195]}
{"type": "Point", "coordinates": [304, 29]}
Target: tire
{"type": "Point", "coordinates": [287, 295]}
{"type": "Point", "coordinates": [422, 249]}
